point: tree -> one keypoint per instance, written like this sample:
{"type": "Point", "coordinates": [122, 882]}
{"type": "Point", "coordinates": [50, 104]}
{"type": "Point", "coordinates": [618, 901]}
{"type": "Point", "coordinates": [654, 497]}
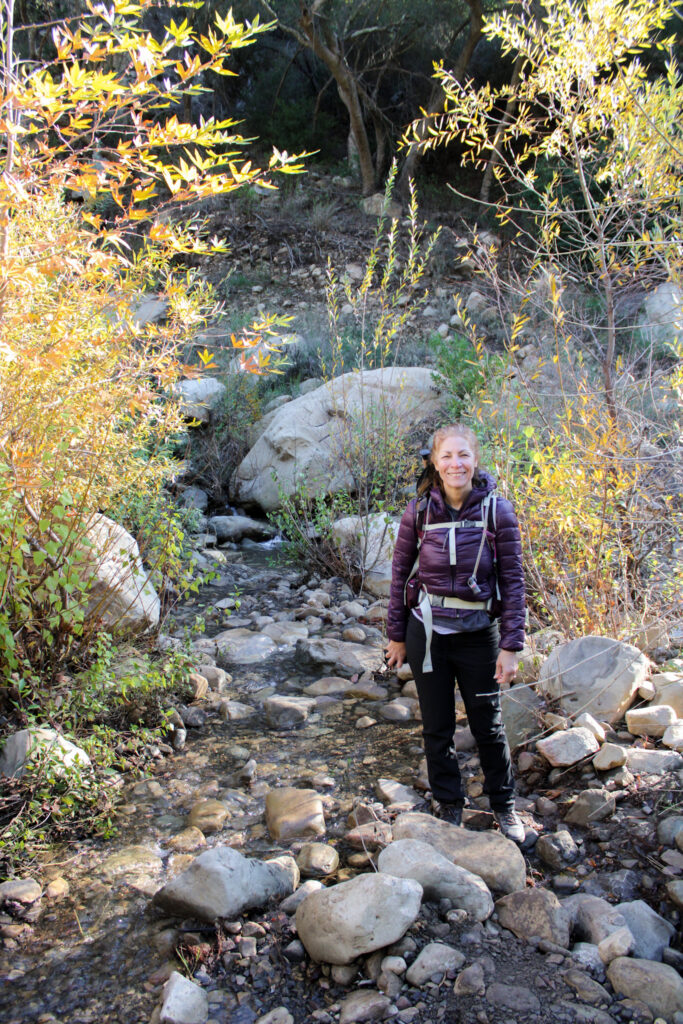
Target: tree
{"type": "Point", "coordinates": [99, 171]}
{"type": "Point", "coordinates": [588, 164]}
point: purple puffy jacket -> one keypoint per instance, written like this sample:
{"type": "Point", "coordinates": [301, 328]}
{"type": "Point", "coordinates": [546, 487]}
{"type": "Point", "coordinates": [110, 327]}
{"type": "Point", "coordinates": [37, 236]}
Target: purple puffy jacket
{"type": "Point", "coordinates": [440, 577]}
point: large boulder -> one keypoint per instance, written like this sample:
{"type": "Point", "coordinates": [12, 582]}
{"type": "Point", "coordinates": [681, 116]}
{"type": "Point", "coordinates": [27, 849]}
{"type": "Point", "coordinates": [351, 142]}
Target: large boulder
{"type": "Point", "coordinates": [662, 318]}
{"type": "Point", "coordinates": [344, 659]}
{"type": "Point", "coordinates": [221, 883]}
{"type": "Point", "coordinates": [439, 877]}
{"type": "Point", "coordinates": [370, 911]}
{"type": "Point", "coordinates": [488, 854]}
{"type": "Point", "coordinates": [310, 438]}
{"type": "Point", "coordinates": [370, 540]}
{"type": "Point", "coordinates": [659, 986]}
{"type": "Point", "coordinates": [236, 528]}
{"type": "Point", "coordinates": [30, 744]}
{"type": "Point", "coordinates": [119, 590]}
{"type": "Point", "coordinates": [199, 396]}
{"type": "Point", "coordinates": [594, 674]}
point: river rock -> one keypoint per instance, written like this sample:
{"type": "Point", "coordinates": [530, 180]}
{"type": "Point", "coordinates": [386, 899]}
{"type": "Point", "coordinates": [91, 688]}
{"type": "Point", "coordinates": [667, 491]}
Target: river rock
{"type": "Point", "coordinates": [488, 854]}
{"type": "Point", "coordinates": [433, 962]}
{"type": "Point", "coordinates": [294, 813]}
{"type": "Point", "coordinates": [471, 981]}
{"type": "Point", "coordinates": [119, 590]}
{"type": "Point", "coordinates": [610, 755]}
{"type": "Point", "coordinates": [591, 806]}
{"type": "Point", "coordinates": [286, 634]}
{"type": "Point", "coordinates": [592, 919]}
{"type": "Point", "coordinates": [438, 876]}
{"type": "Point", "coordinates": [370, 835]}
{"type": "Point", "coordinates": [243, 647]}
{"type": "Point", "coordinates": [208, 816]}
{"type": "Point", "coordinates": [535, 912]}
{"type": "Point", "coordinates": [328, 686]}
{"type": "Point", "coordinates": [369, 912]}
{"type": "Point", "coordinates": [397, 710]}
{"type": "Point", "coordinates": [595, 674]}
{"type": "Point", "coordinates": [284, 712]}
{"type": "Point", "coordinates": [20, 890]}
{"type": "Point", "coordinates": [221, 883]}
{"type": "Point", "coordinates": [586, 721]}
{"type": "Point", "coordinates": [183, 1002]}
{"type": "Point", "coordinates": [316, 860]}
{"type": "Point", "coordinates": [187, 841]}
{"type": "Point", "coordinates": [364, 1006]}
{"type": "Point", "coordinates": [668, 828]}
{"type": "Point", "coordinates": [370, 541]}
{"type": "Point", "coordinates": [668, 688]}
{"type": "Point", "coordinates": [652, 762]}
{"type": "Point", "coordinates": [659, 986]}
{"type": "Point", "coordinates": [557, 849]}
{"type": "Point", "coordinates": [343, 658]}
{"type": "Point", "coordinates": [199, 396]}
{"type": "Point", "coordinates": [517, 998]}
{"type": "Point", "coordinates": [290, 903]}
{"type": "Point", "coordinates": [521, 711]}
{"type": "Point", "coordinates": [618, 943]}
{"type": "Point", "coordinates": [651, 932]}
{"type": "Point", "coordinates": [236, 528]}
{"type": "Point", "coordinates": [217, 678]}
{"type": "Point", "coordinates": [235, 710]}
{"type": "Point", "coordinates": [587, 989]}
{"type": "Point", "coordinates": [650, 721]}
{"type": "Point", "coordinates": [280, 1015]}
{"type": "Point", "coordinates": [397, 796]}
{"type": "Point", "coordinates": [568, 747]}
{"type": "Point", "coordinates": [661, 320]}
{"type": "Point", "coordinates": [306, 438]}
{"type": "Point", "coordinates": [29, 744]}
{"type": "Point", "coordinates": [673, 737]}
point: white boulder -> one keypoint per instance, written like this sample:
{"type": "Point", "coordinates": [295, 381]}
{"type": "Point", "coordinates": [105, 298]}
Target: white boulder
{"type": "Point", "coordinates": [119, 590]}
{"type": "Point", "coordinates": [370, 541]}
{"type": "Point", "coordinates": [199, 396]}
{"type": "Point", "coordinates": [594, 674]}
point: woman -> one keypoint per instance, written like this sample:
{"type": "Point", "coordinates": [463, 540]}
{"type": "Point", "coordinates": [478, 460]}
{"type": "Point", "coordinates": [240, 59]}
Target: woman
{"type": "Point", "coordinates": [459, 552]}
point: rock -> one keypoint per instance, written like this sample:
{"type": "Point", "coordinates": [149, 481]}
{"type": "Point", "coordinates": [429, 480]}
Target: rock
{"type": "Point", "coordinates": [369, 540]}
{"type": "Point", "coordinates": [194, 497]}
{"type": "Point", "coordinates": [470, 982]}
{"type": "Point", "coordinates": [236, 528]}
{"type": "Point", "coordinates": [652, 933]}
{"type": "Point", "coordinates": [315, 860]}
{"type": "Point", "coordinates": [592, 919]}
{"type": "Point", "coordinates": [243, 647]}
{"type": "Point", "coordinates": [364, 1006]}
{"type": "Point", "coordinates": [198, 397]}
{"type": "Point", "coordinates": [610, 755]}
{"type": "Point", "coordinates": [650, 721]}
{"type": "Point", "coordinates": [653, 762]}
{"type": "Point", "coordinates": [586, 954]}
{"type": "Point", "coordinates": [669, 690]}
{"type": "Point", "coordinates": [668, 828]}
{"type": "Point", "coordinates": [280, 1015]}
{"type": "Point", "coordinates": [371, 835]}
{"type": "Point", "coordinates": [396, 711]}
{"type": "Point", "coordinates": [305, 438]}
{"type": "Point", "coordinates": [328, 686]}
{"type": "Point", "coordinates": [187, 841]}
{"type": "Point", "coordinates": [438, 876]}
{"type": "Point", "coordinates": [292, 813]}
{"type": "Point", "coordinates": [673, 737]}
{"type": "Point", "coordinates": [488, 854]}
{"type": "Point", "coordinates": [183, 1002]}
{"type": "Point", "coordinates": [20, 890]}
{"type": "Point", "coordinates": [131, 860]}
{"type": "Point", "coordinates": [594, 674]}
{"type": "Point", "coordinates": [235, 711]}
{"type": "Point", "coordinates": [217, 678]}
{"type": "Point", "coordinates": [675, 892]}
{"type": "Point", "coordinates": [591, 806]}
{"type": "Point", "coordinates": [208, 816]}
{"type": "Point", "coordinates": [284, 712]}
{"type": "Point", "coordinates": [662, 317]}
{"type": "Point", "coordinates": [588, 990]}
{"type": "Point", "coordinates": [521, 710]}
{"type": "Point", "coordinates": [377, 205]}
{"type": "Point", "coordinates": [618, 943]}
{"type": "Point", "coordinates": [368, 912]}
{"type": "Point", "coordinates": [659, 986]}
{"type": "Point", "coordinates": [535, 912]}
{"type": "Point", "coordinates": [286, 634]}
{"type": "Point", "coordinates": [397, 796]}
{"type": "Point", "coordinates": [433, 962]}
{"type": "Point", "coordinates": [562, 749]}
{"type": "Point", "coordinates": [30, 744]}
{"type": "Point", "coordinates": [221, 883]}
{"type": "Point", "coordinates": [290, 903]}
{"type": "Point", "coordinates": [119, 591]}
{"type": "Point", "coordinates": [586, 721]}
{"type": "Point", "coordinates": [343, 658]}
{"type": "Point", "coordinates": [557, 849]}
{"type": "Point", "coordinates": [512, 997]}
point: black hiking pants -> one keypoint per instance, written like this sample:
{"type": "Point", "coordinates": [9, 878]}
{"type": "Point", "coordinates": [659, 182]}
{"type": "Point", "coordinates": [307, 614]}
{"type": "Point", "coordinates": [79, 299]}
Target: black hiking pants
{"type": "Point", "coordinates": [470, 660]}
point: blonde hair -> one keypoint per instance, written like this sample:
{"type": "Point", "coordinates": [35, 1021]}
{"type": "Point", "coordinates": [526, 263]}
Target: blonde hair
{"type": "Point", "coordinates": [431, 477]}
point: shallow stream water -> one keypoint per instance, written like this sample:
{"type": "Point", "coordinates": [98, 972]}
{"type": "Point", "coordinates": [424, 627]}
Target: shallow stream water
{"type": "Point", "coordinates": [100, 953]}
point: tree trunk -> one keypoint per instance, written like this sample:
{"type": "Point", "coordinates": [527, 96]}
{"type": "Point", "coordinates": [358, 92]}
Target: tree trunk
{"type": "Point", "coordinates": [494, 159]}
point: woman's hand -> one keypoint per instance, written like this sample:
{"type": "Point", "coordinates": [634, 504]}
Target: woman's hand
{"type": "Point", "coordinates": [506, 667]}
{"type": "Point", "coordinates": [396, 653]}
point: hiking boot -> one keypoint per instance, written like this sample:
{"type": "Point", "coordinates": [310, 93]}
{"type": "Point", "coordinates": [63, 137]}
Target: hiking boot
{"type": "Point", "coordinates": [510, 825]}
{"type": "Point", "coordinates": [452, 813]}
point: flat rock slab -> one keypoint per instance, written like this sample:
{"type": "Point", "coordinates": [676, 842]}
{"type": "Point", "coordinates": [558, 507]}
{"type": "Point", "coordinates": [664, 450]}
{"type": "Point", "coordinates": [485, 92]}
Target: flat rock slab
{"type": "Point", "coordinates": [243, 647]}
{"type": "Point", "coordinates": [397, 795]}
{"type": "Point", "coordinates": [345, 921]}
{"type": "Point", "coordinates": [328, 686]}
{"type": "Point", "coordinates": [653, 762]}
{"type": "Point", "coordinates": [487, 854]}
{"type": "Point", "coordinates": [343, 658]}
{"type": "Point", "coordinates": [594, 674]}
{"type": "Point", "coordinates": [286, 634]}
{"type": "Point", "coordinates": [131, 860]}
{"type": "Point", "coordinates": [294, 813]}
{"type": "Point", "coordinates": [512, 997]}
{"type": "Point", "coordinates": [221, 883]}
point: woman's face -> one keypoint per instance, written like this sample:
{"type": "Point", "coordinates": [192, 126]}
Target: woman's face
{"type": "Point", "coordinates": [456, 463]}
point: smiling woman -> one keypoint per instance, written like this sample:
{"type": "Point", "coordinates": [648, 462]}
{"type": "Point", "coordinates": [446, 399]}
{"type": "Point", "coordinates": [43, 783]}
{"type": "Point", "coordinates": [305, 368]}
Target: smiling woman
{"type": "Point", "coordinates": [457, 568]}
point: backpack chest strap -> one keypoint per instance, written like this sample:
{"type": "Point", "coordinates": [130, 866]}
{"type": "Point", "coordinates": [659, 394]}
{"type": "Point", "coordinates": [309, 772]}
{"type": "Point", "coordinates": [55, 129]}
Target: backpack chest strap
{"type": "Point", "coordinates": [452, 527]}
